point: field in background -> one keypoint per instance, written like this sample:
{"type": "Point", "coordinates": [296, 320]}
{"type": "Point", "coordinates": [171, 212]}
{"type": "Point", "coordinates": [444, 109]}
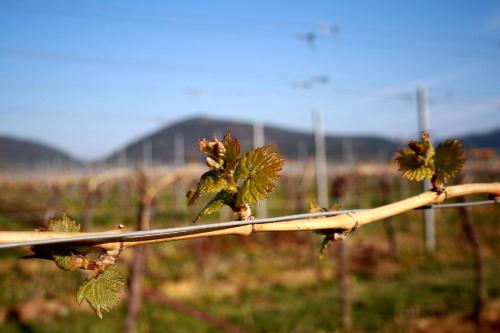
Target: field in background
{"type": "Point", "coordinates": [265, 282]}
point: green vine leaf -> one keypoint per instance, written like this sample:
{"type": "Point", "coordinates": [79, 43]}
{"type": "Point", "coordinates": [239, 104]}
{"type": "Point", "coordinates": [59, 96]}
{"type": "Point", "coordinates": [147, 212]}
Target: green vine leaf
{"type": "Point", "coordinates": [449, 160]}
{"type": "Point", "coordinates": [103, 291]}
{"type": "Point", "coordinates": [327, 239]}
{"type": "Point", "coordinates": [329, 235]}
{"type": "Point", "coordinates": [239, 181]}
{"type": "Point", "coordinates": [315, 208]}
{"type": "Point", "coordinates": [62, 259]}
{"type": "Point", "coordinates": [420, 161]}
{"type": "Point", "coordinates": [257, 169]}
{"type": "Point", "coordinates": [217, 203]}
{"type": "Point", "coordinates": [413, 167]}
{"type": "Point", "coordinates": [416, 162]}
{"type": "Point", "coordinates": [61, 255]}
{"type": "Point", "coordinates": [232, 150]}
{"type": "Point", "coordinates": [65, 223]}
{"type": "Point", "coordinates": [210, 181]}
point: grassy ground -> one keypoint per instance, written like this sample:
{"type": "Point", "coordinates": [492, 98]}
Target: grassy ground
{"type": "Point", "coordinates": [266, 282]}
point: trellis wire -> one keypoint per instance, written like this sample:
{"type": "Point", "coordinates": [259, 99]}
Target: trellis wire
{"type": "Point", "coordinates": [113, 236]}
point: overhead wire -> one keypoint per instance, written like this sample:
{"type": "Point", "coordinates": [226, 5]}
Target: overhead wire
{"type": "Point", "coordinates": [254, 27]}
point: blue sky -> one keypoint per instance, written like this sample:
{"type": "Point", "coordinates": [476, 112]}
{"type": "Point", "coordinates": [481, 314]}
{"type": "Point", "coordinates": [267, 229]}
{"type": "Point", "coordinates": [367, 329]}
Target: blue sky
{"type": "Point", "coordinates": [90, 76]}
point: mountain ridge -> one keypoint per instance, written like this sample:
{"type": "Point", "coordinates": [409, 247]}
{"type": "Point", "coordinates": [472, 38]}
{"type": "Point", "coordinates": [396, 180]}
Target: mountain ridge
{"type": "Point", "coordinates": [293, 144]}
{"type": "Point", "coordinates": [19, 152]}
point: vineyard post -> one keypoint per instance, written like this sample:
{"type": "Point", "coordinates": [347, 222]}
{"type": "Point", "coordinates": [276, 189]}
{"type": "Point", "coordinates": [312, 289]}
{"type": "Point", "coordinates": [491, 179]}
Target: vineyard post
{"type": "Point", "coordinates": [134, 301]}
{"type": "Point", "coordinates": [472, 236]}
{"type": "Point", "coordinates": [345, 287]}
{"type": "Point", "coordinates": [385, 189]}
{"type": "Point", "coordinates": [339, 192]}
{"type": "Point", "coordinates": [404, 192]}
{"type": "Point", "coordinates": [323, 201]}
{"type": "Point", "coordinates": [423, 125]}
{"type": "Point", "coordinates": [320, 155]}
{"type": "Point", "coordinates": [148, 190]}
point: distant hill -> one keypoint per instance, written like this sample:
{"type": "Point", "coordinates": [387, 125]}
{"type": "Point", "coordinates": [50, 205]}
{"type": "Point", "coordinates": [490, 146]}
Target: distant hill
{"type": "Point", "coordinates": [484, 140]}
{"type": "Point", "coordinates": [292, 144]}
{"type": "Point", "coordinates": [160, 146]}
{"type": "Point", "coordinates": [19, 153]}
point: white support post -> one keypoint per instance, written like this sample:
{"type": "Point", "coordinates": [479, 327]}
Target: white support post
{"type": "Point", "coordinates": [423, 125]}
{"type": "Point", "coordinates": [320, 156]}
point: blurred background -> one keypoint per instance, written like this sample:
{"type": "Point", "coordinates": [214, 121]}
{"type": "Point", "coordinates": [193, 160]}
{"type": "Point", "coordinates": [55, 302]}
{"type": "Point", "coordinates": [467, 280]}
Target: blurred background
{"type": "Point", "coordinates": [100, 100]}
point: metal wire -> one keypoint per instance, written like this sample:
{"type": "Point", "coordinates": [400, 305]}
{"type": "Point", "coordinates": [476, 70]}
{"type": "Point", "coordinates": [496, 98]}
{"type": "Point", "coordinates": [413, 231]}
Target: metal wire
{"type": "Point", "coordinates": [461, 204]}
{"type": "Point", "coordinates": [113, 236]}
